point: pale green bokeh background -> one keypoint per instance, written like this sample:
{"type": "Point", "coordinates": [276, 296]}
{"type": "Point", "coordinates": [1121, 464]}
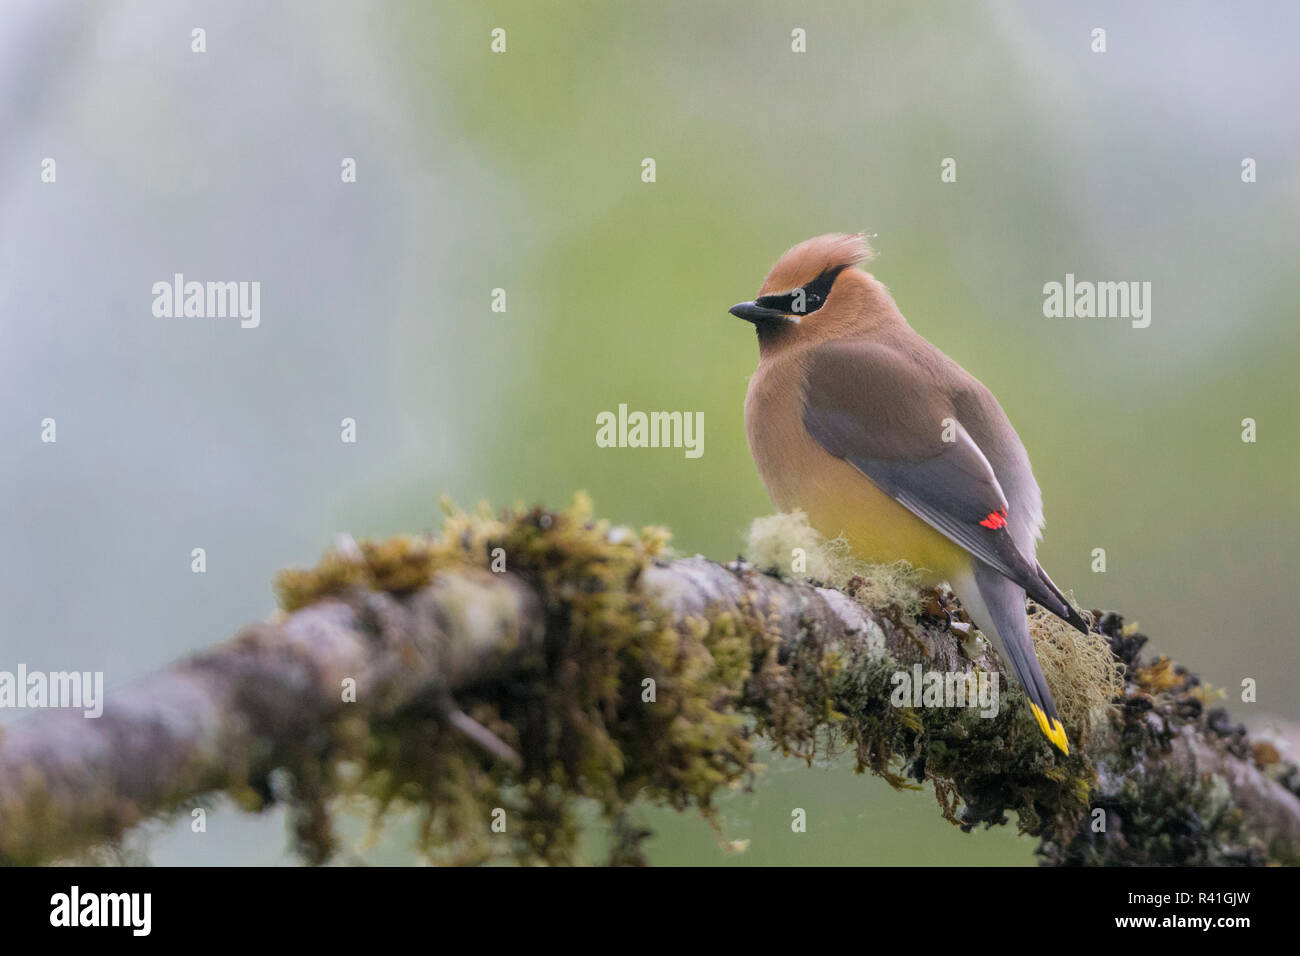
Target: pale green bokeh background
{"type": "Point", "coordinates": [522, 171]}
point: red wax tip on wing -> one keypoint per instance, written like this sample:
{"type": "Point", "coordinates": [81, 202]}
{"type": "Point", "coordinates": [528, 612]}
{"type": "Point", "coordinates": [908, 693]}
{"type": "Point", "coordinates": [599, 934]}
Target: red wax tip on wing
{"type": "Point", "coordinates": [995, 520]}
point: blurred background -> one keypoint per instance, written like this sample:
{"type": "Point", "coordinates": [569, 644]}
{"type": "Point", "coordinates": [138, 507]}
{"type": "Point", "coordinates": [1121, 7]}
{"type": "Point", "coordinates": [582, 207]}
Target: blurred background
{"type": "Point", "coordinates": [522, 171]}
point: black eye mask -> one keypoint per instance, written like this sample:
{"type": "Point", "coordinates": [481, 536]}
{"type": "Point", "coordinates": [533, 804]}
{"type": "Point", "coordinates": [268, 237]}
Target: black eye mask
{"type": "Point", "coordinates": [814, 295]}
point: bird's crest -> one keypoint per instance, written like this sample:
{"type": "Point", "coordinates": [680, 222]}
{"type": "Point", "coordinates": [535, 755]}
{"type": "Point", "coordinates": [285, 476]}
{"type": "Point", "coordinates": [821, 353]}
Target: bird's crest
{"type": "Point", "coordinates": [813, 257]}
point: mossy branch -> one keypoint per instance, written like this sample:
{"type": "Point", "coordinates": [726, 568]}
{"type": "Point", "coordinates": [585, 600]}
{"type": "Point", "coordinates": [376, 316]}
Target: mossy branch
{"type": "Point", "coordinates": [523, 688]}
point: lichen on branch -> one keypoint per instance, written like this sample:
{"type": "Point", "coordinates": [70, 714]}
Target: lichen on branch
{"type": "Point", "coordinates": [517, 663]}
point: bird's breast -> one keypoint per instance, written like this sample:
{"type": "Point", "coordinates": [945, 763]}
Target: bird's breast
{"type": "Point", "coordinates": [837, 498]}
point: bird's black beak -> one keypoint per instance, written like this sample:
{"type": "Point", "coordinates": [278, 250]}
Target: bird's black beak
{"type": "Point", "coordinates": [757, 314]}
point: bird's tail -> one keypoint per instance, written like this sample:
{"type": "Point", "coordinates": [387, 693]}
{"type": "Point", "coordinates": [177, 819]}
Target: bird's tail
{"type": "Point", "coordinates": [997, 606]}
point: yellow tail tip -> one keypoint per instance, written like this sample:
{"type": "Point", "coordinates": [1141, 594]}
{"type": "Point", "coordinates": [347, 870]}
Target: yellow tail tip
{"type": "Point", "coordinates": [1051, 729]}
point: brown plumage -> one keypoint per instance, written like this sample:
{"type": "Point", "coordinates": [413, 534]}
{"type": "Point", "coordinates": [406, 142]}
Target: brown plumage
{"type": "Point", "coordinates": [877, 435]}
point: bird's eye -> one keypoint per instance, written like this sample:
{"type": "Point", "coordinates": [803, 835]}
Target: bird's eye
{"type": "Point", "coordinates": [815, 292]}
{"type": "Point", "coordinates": [804, 300]}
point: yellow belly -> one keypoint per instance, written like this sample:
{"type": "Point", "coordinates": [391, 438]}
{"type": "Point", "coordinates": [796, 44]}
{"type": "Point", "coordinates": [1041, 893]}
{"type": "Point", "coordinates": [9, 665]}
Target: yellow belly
{"type": "Point", "coordinates": [839, 500]}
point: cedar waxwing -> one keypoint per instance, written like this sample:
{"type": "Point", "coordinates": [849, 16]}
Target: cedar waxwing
{"type": "Point", "coordinates": [875, 434]}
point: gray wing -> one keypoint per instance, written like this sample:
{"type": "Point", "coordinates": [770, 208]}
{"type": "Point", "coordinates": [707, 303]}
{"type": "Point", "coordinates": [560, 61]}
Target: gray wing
{"type": "Point", "coordinates": [866, 404]}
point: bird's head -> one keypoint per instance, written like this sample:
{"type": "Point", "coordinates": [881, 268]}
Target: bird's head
{"type": "Point", "coordinates": [813, 291]}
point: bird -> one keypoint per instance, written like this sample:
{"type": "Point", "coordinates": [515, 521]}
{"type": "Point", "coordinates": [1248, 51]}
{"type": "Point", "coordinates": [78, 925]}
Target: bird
{"type": "Point", "coordinates": [855, 419]}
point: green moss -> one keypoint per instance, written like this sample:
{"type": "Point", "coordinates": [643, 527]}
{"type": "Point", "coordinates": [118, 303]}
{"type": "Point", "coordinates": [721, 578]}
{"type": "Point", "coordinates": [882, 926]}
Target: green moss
{"type": "Point", "coordinates": [573, 710]}
{"type": "Point", "coordinates": [1158, 812]}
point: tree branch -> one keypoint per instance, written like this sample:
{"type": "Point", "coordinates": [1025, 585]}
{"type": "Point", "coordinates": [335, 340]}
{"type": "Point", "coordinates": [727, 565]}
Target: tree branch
{"type": "Point", "coordinates": [520, 690]}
